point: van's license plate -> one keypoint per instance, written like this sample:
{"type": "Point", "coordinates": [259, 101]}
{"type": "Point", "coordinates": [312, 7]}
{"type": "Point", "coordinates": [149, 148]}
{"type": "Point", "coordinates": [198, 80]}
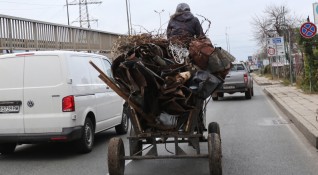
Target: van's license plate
{"type": "Point", "coordinates": [228, 87]}
{"type": "Point", "coordinates": [9, 109]}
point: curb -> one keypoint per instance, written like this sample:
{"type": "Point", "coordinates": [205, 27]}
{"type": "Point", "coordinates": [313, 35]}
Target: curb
{"type": "Point", "coordinates": [311, 137]}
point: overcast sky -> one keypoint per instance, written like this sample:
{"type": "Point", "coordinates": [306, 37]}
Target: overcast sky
{"type": "Point", "coordinates": [233, 17]}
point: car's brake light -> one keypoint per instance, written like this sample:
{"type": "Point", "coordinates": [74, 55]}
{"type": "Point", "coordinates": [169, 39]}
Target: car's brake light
{"type": "Point", "coordinates": [245, 78]}
{"type": "Point", "coordinates": [68, 104]}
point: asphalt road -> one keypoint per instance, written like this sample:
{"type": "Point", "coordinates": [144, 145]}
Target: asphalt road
{"type": "Point", "coordinates": [256, 140]}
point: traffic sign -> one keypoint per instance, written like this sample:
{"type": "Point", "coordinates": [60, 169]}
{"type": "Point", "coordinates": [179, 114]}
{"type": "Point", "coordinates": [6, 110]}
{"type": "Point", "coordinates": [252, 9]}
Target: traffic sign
{"type": "Point", "coordinates": [308, 30]}
{"type": "Point", "coordinates": [275, 41]}
{"type": "Point", "coordinates": [275, 46]}
{"type": "Point", "coordinates": [271, 51]}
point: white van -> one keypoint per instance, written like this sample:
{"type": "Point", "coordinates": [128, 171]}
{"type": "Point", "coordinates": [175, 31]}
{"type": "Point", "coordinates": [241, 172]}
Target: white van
{"type": "Point", "coordinates": [49, 96]}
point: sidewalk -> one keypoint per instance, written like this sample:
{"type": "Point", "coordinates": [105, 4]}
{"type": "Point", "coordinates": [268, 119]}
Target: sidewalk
{"type": "Point", "coordinates": [299, 107]}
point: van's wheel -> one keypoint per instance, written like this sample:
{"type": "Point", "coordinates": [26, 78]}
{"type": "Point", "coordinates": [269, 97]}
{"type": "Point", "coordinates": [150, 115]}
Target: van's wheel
{"type": "Point", "coordinates": [214, 128]}
{"type": "Point", "coordinates": [248, 93]}
{"type": "Point", "coordinates": [86, 142]}
{"type": "Point", "coordinates": [220, 94]}
{"type": "Point", "coordinates": [122, 128]}
{"type": "Point", "coordinates": [116, 153]}
{"type": "Point", "coordinates": [215, 98]}
{"type": "Point", "coordinates": [7, 148]}
{"type": "Point", "coordinates": [215, 154]}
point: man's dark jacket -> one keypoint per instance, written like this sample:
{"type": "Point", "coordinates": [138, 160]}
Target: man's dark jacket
{"type": "Point", "coordinates": [184, 24]}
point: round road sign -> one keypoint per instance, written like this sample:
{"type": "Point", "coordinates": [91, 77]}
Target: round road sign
{"type": "Point", "coordinates": [271, 51]}
{"type": "Point", "coordinates": [308, 30]}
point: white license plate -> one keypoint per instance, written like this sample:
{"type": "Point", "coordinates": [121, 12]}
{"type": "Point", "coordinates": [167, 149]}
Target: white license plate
{"type": "Point", "coordinates": [9, 109]}
{"type": "Point", "coordinates": [228, 87]}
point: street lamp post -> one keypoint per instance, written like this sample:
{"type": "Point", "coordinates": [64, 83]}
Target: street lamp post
{"type": "Point", "coordinates": [159, 13]}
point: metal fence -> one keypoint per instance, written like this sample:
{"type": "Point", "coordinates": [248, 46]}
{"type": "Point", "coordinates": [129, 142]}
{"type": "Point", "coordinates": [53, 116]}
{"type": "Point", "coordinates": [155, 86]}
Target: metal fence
{"type": "Point", "coordinates": [25, 34]}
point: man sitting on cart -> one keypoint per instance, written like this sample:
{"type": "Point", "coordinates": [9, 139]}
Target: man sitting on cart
{"type": "Point", "coordinates": [183, 25]}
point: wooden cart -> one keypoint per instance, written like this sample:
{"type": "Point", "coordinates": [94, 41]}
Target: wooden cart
{"type": "Point", "coordinates": [191, 134]}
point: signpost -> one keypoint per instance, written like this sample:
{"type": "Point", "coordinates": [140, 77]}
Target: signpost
{"type": "Point", "coordinates": [275, 46]}
{"type": "Point", "coordinates": [308, 30]}
{"type": "Point", "coordinates": [271, 51]}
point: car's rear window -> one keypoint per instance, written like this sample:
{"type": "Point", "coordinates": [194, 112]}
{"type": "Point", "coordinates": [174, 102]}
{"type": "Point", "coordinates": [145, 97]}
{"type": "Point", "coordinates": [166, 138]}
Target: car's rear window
{"type": "Point", "coordinates": [237, 67]}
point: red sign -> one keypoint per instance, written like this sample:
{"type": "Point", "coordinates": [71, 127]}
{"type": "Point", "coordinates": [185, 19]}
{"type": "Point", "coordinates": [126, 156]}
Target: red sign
{"type": "Point", "coordinates": [308, 30]}
{"type": "Point", "coordinates": [271, 51]}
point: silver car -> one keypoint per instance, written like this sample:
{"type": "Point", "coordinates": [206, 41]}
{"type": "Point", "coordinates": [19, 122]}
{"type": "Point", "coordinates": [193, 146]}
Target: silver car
{"type": "Point", "coordinates": [237, 80]}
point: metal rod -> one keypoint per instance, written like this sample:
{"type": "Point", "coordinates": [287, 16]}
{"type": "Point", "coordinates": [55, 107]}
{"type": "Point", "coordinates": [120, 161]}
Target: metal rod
{"type": "Point", "coordinates": [166, 157]}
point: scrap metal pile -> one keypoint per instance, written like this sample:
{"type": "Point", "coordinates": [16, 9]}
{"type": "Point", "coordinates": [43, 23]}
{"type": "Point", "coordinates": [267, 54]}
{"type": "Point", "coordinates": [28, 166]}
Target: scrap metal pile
{"type": "Point", "coordinates": [163, 80]}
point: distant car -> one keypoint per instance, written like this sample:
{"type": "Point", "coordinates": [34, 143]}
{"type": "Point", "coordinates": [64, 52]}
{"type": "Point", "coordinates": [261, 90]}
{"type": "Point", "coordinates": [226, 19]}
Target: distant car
{"type": "Point", "coordinates": [237, 80]}
{"type": "Point", "coordinates": [253, 67]}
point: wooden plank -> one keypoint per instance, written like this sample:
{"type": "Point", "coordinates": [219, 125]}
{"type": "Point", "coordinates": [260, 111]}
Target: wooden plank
{"type": "Point", "coordinates": [130, 101]}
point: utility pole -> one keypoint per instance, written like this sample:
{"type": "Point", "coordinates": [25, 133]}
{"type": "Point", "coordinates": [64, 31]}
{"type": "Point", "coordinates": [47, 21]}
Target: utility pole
{"type": "Point", "coordinates": [68, 15]}
{"type": "Point", "coordinates": [227, 41]}
{"type": "Point", "coordinates": [289, 48]}
{"type": "Point", "coordinates": [83, 11]}
{"type": "Point", "coordinates": [128, 16]}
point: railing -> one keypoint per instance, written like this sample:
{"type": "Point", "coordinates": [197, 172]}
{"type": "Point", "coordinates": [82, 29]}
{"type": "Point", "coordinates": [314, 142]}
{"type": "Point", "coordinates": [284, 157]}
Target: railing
{"type": "Point", "coordinates": [25, 34]}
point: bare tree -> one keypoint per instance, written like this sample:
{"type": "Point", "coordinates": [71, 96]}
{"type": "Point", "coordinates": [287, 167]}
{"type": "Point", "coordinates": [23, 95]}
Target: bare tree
{"type": "Point", "coordinates": [275, 22]}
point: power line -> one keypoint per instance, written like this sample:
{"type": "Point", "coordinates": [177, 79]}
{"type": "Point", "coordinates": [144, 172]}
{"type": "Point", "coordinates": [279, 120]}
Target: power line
{"type": "Point", "coordinates": [84, 18]}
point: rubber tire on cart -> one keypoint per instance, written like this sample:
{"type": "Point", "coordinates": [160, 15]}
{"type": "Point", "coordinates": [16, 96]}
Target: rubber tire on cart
{"type": "Point", "coordinates": [86, 142]}
{"type": "Point", "coordinates": [122, 128]}
{"type": "Point", "coordinates": [215, 154]}
{"type": "Point", "coordinates": [7, 148]}
{"type": "Point", "coordinates": [116, 152]}
{"type": "Point", "coordinates": [248, 93]}
{"type": "Point", "coordinates": [214, 128]}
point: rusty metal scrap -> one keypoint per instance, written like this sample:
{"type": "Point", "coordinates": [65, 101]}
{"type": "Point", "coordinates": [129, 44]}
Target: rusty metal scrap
{"type": "Point", "coordinates": [160, 81]}
{"type": "Point", "coordinates": [150, 76]}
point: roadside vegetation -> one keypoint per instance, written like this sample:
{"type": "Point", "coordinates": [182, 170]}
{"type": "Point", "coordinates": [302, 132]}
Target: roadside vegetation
{"type": "Point", "coordinates": [301, 53]}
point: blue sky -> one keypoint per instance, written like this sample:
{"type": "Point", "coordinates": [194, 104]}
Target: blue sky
{"type": "Point", "coordinates": [233, 17]}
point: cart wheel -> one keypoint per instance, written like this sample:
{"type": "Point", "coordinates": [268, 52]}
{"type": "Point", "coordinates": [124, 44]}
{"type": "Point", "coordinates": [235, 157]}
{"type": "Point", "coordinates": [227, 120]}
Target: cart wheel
{"type": "Point", "coordinates": [214, 128]}
{"type": "Point", "coordinates": [215, 154]}
{"type": "Point", "coordinates": [116, 152]}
